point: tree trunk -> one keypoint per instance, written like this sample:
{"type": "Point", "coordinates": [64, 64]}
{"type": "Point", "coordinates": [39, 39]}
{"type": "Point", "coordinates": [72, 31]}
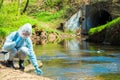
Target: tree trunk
{"type": "Point", "coordinates": [1, 3]}
{"type": "Point", "coordinates": [25, 8]}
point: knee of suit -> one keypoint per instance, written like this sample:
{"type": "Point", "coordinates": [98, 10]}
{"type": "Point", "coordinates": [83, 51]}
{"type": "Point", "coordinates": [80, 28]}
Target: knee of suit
{"type": "Point", "coordinates": [12, 53]}
{"type": "Point", "coordinates": [13, 50]}
{"type": "Point", "coordinates": [23, 51]}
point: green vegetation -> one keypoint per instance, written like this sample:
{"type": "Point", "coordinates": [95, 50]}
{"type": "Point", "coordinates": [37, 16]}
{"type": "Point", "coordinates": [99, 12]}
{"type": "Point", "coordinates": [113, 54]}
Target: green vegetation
{"type": "Point", "coordinates": [100, 28]}
{"type": "Point", "coordinates": [46, 14]}
{"type": "Point", "coordinates": [10, 20]}
{"type": "Point", "coordinates": [111, 76]}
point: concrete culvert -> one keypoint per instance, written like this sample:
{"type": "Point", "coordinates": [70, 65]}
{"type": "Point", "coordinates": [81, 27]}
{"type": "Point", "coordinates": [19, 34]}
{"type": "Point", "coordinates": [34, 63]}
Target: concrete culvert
{"type": "Point", "coordinates": [94, 19]}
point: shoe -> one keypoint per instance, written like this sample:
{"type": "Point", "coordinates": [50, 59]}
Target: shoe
{"type": "Point", "coordinates": [21, 65]}
{"type": "Point", "coordinates": [10, 64]}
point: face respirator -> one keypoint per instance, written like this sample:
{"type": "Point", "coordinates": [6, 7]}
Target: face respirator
{"type": "Point", "coordinates": [25, 31]}
{"type": "Point", "coordinates": [25, 35]}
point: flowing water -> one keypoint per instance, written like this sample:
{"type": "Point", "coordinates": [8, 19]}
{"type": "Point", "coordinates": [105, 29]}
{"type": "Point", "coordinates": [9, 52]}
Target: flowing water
{"type": "Point", "coordinates": [75, 58]}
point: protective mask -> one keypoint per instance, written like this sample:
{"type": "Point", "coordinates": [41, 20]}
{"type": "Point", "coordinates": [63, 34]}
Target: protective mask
{"type": "Point", "coordinates": [25, 31]}
{"type": "Point", "coordinates": [25, 35]}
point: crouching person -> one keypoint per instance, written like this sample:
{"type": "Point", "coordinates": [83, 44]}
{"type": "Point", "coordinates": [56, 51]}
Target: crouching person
{"type": "Point", "coordinates": [19, 43]}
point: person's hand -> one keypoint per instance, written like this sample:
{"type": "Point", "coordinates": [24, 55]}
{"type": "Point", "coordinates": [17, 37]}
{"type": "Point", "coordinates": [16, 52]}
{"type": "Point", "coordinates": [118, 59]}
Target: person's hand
{"type": "Point", "coordinates": [38, 70]}
{"type": "Point", "coordinates": [18, 40]}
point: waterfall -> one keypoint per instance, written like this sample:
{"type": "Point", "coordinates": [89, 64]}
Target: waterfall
{"type": "Point", "coordinates": [73, 23]}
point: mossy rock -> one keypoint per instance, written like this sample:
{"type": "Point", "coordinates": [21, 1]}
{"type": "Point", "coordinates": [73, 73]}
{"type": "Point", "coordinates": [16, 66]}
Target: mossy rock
{"type": "Point", "coordinates": [109, 35]}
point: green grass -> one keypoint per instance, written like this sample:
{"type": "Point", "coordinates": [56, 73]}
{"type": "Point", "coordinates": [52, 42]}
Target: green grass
{"type": "Point", "coordinates": [100, 28]}
{"type": "Point", "coordinates": [11, 20]}
{"type": "Point", "coordinates": [111, 76]}
{"type": "Point", "coordinates": [47, 16]}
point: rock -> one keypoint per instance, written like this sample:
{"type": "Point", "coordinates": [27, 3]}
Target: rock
{"type": "Point", "coordinates": [29, 67]}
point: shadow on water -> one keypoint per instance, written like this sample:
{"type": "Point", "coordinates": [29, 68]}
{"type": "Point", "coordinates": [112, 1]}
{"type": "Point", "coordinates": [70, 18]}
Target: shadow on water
{"type": "Point", "coordinates": [73, 59]}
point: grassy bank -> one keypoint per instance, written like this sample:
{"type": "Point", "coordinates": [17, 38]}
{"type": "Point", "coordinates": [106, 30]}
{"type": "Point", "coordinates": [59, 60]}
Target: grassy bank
{"type": "Point", "coordinates": [100, 28]}
{"type": "Point", "coordinates": [11, 19]}
{"type": "Point", "coordinates": [110, 76]}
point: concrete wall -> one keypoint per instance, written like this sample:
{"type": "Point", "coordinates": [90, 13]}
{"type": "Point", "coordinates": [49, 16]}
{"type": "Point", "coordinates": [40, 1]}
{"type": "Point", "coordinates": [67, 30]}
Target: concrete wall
{"type": "Point", "coordinates": [99, 12]}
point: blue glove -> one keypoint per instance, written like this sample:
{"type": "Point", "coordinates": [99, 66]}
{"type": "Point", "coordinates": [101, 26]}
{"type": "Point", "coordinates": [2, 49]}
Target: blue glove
{"type": "Point", "coordinates": [18, 40]}
{"type": "Point", "coordinates": [38, 71]}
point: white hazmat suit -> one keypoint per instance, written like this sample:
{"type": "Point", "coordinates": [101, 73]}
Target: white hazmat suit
{"type": "Point", "coordinates": [19, 43]}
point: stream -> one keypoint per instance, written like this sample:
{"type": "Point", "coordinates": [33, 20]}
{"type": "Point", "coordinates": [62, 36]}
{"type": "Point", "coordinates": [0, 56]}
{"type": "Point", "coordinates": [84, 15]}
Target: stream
{"type": "Point", "coordinates": [73, 59]}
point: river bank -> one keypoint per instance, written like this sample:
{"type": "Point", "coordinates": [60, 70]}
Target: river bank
{"type": "Point", "coordinates": [12, 74]}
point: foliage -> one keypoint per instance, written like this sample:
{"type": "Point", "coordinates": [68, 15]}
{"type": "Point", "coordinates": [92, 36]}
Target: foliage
{"type": "Point", "coordinates": [111, 76]}
{"type": "Point", "coordinates": [50, 10]}
{"type": "Point", "coordinates": [68, 12]}
{"type": "Point", "coordinates": [100, 28]}
{"type": "Point", "coordinates": [10, 20]}
{"type": "Point", "coordinates": [47, 16]}
{"type": "Point", "coordinates": [53, 3]}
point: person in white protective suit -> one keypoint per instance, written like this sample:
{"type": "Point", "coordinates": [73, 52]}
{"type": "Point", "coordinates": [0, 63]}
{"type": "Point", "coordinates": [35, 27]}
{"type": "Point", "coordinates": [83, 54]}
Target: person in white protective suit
{"type": "Point", "coordinates": [19, 43]}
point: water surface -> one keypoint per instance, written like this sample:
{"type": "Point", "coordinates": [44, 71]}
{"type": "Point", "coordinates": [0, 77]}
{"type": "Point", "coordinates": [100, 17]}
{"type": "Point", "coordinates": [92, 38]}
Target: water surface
{"type": "Point", "coordinates": [74, 59]}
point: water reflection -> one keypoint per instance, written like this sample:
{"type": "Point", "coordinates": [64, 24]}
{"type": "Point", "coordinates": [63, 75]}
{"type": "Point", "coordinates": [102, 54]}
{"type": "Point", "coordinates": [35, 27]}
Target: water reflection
{"type": "Point", "coordinates": [75, 59]}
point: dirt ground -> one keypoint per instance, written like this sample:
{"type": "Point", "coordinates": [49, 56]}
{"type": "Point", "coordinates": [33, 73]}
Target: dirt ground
{"type": "Point", "coordinates": [12, 74]}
